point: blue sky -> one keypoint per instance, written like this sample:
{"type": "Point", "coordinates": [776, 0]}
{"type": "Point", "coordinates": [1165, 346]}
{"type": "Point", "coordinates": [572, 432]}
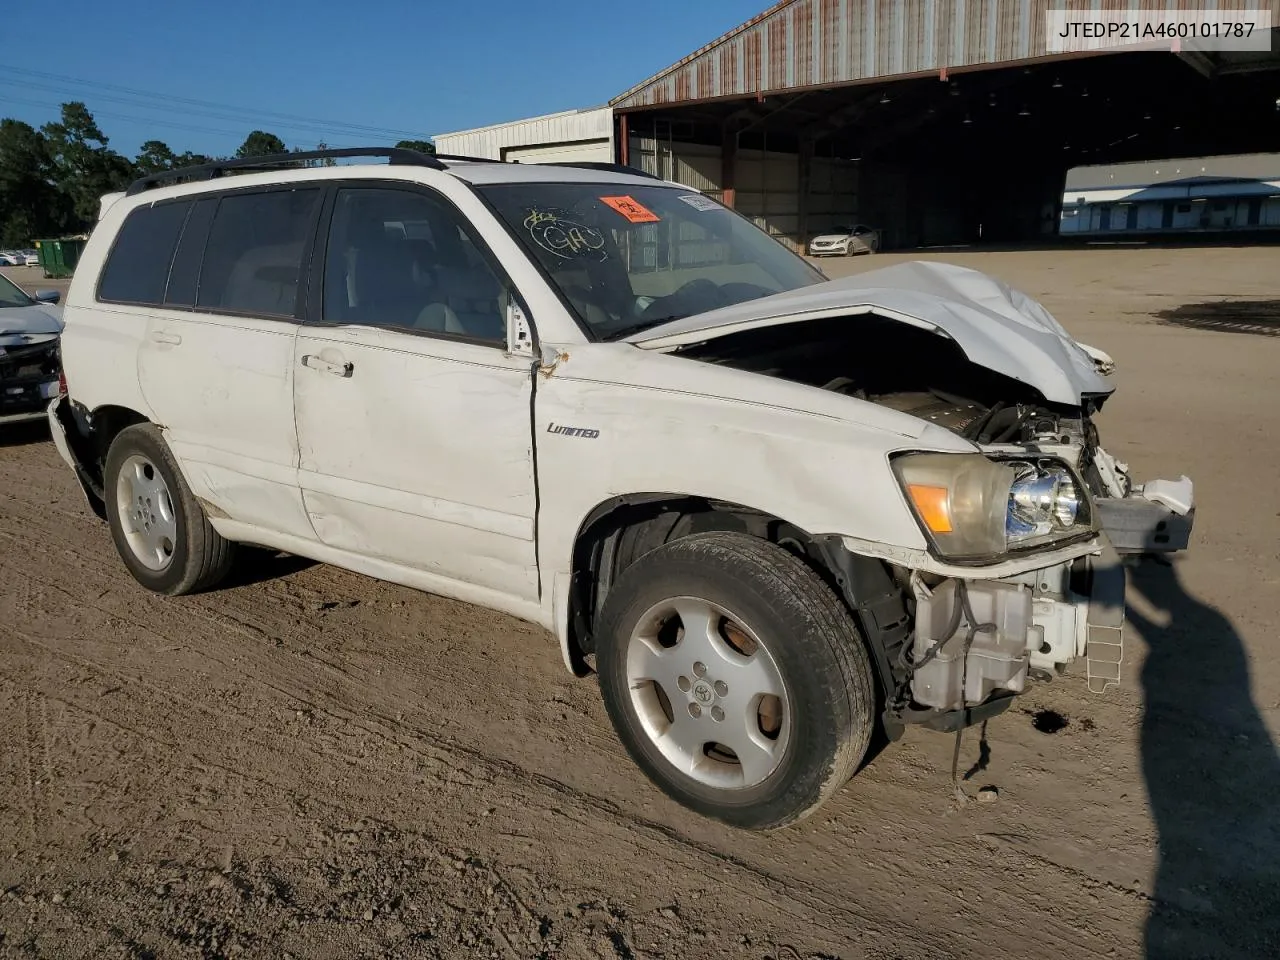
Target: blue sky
{"type": "Point", "coordinates": [422, 68]}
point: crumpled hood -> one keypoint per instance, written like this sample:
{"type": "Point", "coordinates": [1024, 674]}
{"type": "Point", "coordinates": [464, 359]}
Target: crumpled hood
{"type": "Point", "coordinates": [20, 326]}
{"type": "Point", "coordinates": [996, 326]}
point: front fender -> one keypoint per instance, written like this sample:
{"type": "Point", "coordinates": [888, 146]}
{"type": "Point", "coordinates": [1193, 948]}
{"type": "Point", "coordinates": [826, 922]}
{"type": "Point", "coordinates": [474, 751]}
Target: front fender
{"type": "Point", "coordinates": [612, 421]}
{"type": "Point", "coordinates": [822, 476]}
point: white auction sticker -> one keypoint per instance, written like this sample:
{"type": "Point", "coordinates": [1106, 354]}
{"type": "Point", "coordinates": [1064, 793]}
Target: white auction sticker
{"type": "Point", "coordinates": [698, 201]}
{"type": "Point", "coordinates": [1077, 31]}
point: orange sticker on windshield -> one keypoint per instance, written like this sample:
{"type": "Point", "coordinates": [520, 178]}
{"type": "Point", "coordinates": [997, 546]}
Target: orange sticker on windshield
{"type": "Point", "coordinates": [633, 211]}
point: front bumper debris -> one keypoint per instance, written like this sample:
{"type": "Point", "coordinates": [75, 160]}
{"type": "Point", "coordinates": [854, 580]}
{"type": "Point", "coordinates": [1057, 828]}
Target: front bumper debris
{"type": "Point", "coordinates": [1032, 625]}
{"type": "Point", "coordinates": [1035, 622]}
{"type": "Point", "coordinates": [980, 634]}
{"type": "Point", "coordinates": [1104, 620]}
{"type": "Point", "coordinates": [1156, 518]}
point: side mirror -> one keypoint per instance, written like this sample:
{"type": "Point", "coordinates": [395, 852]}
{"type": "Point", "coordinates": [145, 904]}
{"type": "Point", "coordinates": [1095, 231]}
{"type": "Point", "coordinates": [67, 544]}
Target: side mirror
{"type": "Point", "coordinates": [519, 332]}
{"type": "Point", "coordinates": [48, 296]}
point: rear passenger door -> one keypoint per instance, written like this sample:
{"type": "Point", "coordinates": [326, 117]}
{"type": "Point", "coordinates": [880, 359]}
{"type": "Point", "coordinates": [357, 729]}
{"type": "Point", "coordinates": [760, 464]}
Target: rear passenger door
{"type": "Point", "coordinates": [414, 422]}
{"type": "Point", "coordinates": [216, 365]}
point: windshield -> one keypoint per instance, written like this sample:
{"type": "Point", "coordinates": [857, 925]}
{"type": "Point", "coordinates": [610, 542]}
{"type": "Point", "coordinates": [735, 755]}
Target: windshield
{"type": "Point", "coordinates": [11, 296]}
{"type": "Point", "coordinates": [627, 258]}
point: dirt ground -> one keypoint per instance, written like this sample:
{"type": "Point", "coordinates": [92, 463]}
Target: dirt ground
{"type": "Point", "coordinates": [309, 763]}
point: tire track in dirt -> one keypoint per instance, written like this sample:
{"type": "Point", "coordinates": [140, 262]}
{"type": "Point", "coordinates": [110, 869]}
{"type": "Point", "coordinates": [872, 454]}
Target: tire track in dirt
{"type": "Point", "coordinates": [260, 627]}
{"type": "Point", "coordinates": [1063, 865]}
{"type": "Point", "coordinates": [33, 750]}
{"type": "Point", "coordinates": [480, 770]}
{"type": "Point", "coordinates": [588, 818]}
{"type": "Point", "coordinates": [301, 697]}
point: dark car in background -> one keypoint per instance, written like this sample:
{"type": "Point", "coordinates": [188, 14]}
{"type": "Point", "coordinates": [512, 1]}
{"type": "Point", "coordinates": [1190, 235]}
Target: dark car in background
{"type": "Point", "coordinates": [30, 356]}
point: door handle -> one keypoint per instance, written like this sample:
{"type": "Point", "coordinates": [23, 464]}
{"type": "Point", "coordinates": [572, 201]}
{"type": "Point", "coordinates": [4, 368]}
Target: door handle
{"type": "Point", "coordinates": [163, 336]}
{"type": "Point", "coordinates": [326, 366]}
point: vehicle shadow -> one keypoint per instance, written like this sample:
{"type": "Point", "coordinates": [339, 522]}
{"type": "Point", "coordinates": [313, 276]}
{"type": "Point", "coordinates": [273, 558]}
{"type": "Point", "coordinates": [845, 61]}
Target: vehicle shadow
{"type": "Point", "coordinates": [1259, 317]}
{"type": "Point", "coordinates": [1213, 778]}
{"type": "Point", "coordinates": [258, 565]}
{"type": "Point", "coordinates": [24, 434]}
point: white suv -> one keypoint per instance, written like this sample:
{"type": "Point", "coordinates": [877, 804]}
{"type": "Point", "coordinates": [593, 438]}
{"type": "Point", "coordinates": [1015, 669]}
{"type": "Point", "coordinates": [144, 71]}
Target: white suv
{"type": "Point", "coordinates": [772, 512]}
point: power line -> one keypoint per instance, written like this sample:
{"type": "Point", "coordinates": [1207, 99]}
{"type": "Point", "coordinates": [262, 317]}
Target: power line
{"type": "Point", "coordinates": [205, 106]}
{"type": "Point", "coordinates": [175, 124]}
{"type": "Point", "coordinates": [308, 131]}
{"type": "Point", "coordinates": [214, 115]}
{"type": "Point", "coordinates": [237, 111]}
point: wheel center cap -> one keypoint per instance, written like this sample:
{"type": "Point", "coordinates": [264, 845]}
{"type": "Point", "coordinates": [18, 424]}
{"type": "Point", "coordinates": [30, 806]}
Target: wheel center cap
{"type": "Point", "coordinates": [703, 692]}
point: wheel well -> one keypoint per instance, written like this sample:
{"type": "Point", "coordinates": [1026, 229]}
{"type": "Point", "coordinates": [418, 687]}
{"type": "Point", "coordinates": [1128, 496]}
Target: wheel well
{"type": "Point", "coordinates": [92, 435]}
{"type": "Point", "coordinates": [108, 421]}
{"type": "Point", "coordinates": [623, 529]}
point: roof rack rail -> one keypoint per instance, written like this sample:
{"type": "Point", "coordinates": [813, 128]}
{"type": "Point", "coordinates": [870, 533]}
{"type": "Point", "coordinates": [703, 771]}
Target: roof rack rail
{"type": "Point", "coordinates": [458, 156]}
{"type": "Point", "coordinates": [600, 165]}
{"type": "Point", "coordinates": [210, 171]}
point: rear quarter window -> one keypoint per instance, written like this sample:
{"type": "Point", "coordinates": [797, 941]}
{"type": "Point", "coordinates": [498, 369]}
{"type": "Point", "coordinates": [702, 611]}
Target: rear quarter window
{"type": "Point", "coordinates": [185, 274]}
{"type": "Point", "coordinates": [137, 268]}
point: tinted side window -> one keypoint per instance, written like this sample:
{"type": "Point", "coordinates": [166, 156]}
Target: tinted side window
{"type": "Point", "coordinates": [185, 273]}
{"type": "Point", "coordinates": [398, 258]}
{"type": "Point", "coordinates": [253, 258]}
{"type": "Point", "coordinates": [138, 265]}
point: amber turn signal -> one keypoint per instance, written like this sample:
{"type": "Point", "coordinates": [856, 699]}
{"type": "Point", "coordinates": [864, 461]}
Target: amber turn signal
{"type": "Point", "coordinates": [931, 506]}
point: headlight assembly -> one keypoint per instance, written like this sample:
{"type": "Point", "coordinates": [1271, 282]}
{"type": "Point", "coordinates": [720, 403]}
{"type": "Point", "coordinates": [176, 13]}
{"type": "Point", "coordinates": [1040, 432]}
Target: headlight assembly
{"type": "Point", "coordinates": [1045, 503]}
{"type": "Point", "coordinates": [959, 498]}
{"type": "Point", "coordinates": [973, 507]}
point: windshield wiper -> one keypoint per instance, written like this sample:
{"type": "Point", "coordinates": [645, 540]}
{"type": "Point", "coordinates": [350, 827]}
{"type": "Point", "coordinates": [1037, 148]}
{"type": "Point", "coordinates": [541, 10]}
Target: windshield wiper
{"type": "Point", "coordinates": [643, 325]}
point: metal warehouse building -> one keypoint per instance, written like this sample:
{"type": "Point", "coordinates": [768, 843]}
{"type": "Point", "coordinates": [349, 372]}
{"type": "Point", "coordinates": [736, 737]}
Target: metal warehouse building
{"type": "Point", "coordinates": [569, 137]}
{"type": "Point", "coordinates": [1219, 195]}
{"type": "Point", "coordinates": [937, 121]}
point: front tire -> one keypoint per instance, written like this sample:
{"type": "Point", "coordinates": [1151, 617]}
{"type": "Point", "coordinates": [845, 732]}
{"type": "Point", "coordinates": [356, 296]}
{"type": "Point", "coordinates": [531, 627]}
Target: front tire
{"type": "Point", "coordinates": [735, 678]}
{"type": "Point", "coordinates": [160, 530]}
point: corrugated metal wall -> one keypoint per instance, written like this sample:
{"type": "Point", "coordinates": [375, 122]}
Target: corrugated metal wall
{"type": "Point", "coordinates": [835, 187]}
{"type": "Point", "coordinates": [815, 43]}
{"type": "Point", "coordinates": [584, 151]}
{"type": "Point", "coordinates": [693, 164]}
{"type": "Point", "coordinates": [573, 126]}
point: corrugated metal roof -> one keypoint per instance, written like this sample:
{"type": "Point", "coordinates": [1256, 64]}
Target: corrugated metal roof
{"type": "Point", "coordinates": [816, 43]}
{"type": "Point", "coordinates": [569, 126]}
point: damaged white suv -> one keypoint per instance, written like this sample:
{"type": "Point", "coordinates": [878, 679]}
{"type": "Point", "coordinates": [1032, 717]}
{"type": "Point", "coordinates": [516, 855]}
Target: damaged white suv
{"type": "Point", "coordinates": [770, 511]}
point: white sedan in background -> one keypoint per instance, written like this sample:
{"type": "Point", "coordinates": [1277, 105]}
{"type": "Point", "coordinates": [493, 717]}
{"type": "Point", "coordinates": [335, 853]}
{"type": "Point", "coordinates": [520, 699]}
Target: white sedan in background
{"type": "Point", "coordinates": [845, 241]}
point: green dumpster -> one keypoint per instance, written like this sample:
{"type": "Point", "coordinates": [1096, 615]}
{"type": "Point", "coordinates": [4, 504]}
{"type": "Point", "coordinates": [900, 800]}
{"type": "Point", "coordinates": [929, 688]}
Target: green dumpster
{"type": "Point", "coordinates": [59, 257]}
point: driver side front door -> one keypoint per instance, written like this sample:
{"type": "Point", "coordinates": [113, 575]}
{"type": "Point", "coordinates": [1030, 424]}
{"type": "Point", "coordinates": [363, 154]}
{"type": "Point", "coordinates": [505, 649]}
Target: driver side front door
{"type": "Point", "coordinates": [413, 420]}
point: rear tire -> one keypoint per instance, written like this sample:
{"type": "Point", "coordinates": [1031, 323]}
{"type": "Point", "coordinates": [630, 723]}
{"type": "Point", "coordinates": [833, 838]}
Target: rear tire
{"type": "Point", "coordinates": [735, 678]}
{"type": "Point", "coordinates": [160, 530]}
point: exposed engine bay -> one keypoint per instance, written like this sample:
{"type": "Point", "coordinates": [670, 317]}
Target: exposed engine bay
{"type": "Point", "coordinates": [926, 375]}
{"type": "Point", "coordinates": [973, 640]}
